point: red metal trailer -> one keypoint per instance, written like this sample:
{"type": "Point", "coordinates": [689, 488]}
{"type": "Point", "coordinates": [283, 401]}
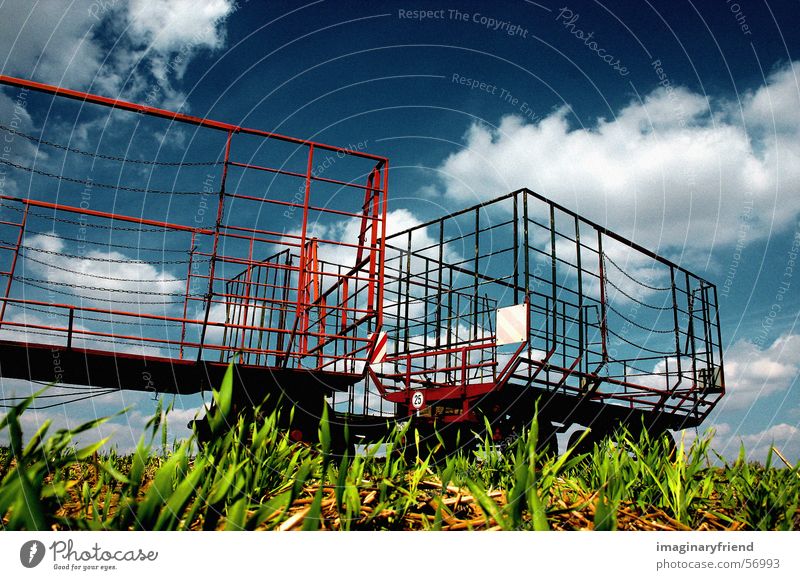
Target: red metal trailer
{"type": "Point", "coordinates": [150, 264]}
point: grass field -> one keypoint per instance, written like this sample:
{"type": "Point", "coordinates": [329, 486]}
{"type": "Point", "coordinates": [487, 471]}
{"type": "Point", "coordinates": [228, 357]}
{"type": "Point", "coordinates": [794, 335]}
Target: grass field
{"type": "Point", "coordinates": [252, 477]}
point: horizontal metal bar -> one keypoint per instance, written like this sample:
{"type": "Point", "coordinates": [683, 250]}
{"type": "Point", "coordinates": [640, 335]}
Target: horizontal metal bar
{"type": "Point", "coordinates": [173, 116]}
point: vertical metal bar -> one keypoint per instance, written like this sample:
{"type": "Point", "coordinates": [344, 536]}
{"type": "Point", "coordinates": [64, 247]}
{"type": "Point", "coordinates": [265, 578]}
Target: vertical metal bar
{"type": "Point", "coordinates": [345, 297]}
{"type": "Point", "coordinates": [301, 309]}
{"type": "Point", "coordinates": [553, 271]}
{"type": "Point", "coordinates": [675, 320]}
{"type": "Point", "coordinates": [14, 261]}
{"type": "Point", "coordinates": [475, 273]}
{"type": "Point", "coordinates": [526, 260]}
{"type": "Point", "coordinates": [217, 227]}
{"type": "Point", "coordinates": [427, 302]}
{"type": "Point", "coordinates": [719, 338]}
{"type": "Point", "coordinates": [248, 282]}
{"type": "Point", "coordinates": [603, 311]}
{"type": "Point", "coordinates": [226, 328]}
{"type": "Point", "coordinates": [70, 327]}
{"type": "Point", "coordinates": [256, 300]}
{"type": "Point", "coordinates": [525, 239]}
{"type": "Point", "coordinates": [374, 249]}
{"type": "Point", "coordinates": [516, 248]}
{"type": "Point", "coordinates": [584, 359]}
{"type": "Point", "coordinates": [186, 298]}
{"type": "Point", "coordinates": [260, 344]}
{"type": "Point", "coordinates": [439, 289]}
{"type": "Point", "coordinates": [707, 326]}
{"type": "Point", "coordinates": [271, 305]}
{"type": "Point", "coordinates": [450, 318]}
{"type": "Point", "coordinates": [563, 332]}
{"type": "Point", "coordinates": [382, 256]}
{"type": "Point", "coordinates": [408, 288]}
{"type": "Point", "coordinates": [365, 410]}
{"type": "Point", "coordinates": [690, 331]}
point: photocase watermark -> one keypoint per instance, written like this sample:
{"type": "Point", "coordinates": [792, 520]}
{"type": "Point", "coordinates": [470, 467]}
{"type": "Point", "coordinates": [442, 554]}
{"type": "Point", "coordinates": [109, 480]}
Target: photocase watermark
{"type": "Point", "coordinates": [31, 553]}
{"type": "Point", "coordinates": [453, 14]}
{"type": "Point", "coordinates": [66, 556]}
{"type": "Point", "coordinates": [522, 106]}
{"type": "Point", "coordinates": [568, 18]}
{"type": "Point", "coordinates": [100, 8]}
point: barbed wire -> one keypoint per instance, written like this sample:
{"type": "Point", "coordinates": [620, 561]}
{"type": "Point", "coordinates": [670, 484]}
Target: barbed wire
{"type": "Point", "coordinates": [75, 400]}
{"type": "Point", "coordinates": [639, 302]}
{"type": "Point", "coordinates": [32, 283]}
{"type": "Point", "coordinates": [657, 288]}
{"type": "Point", "coordinates": [62, 333]}
{"type": "Point", "coordinates": [109, 260]}
{"type": "Point", "coordinates": [81, 317]}
{"type": "Point", "coordinates": [97, 288]}
{"type": "Point", "coordinates": [636, 324]}
{"type": "Point", "coordinates": [639, 346]}
{"type": "Point", "coordinates": [106, 244]}
{"type": "Point", "coordinates": [87, 224]}
{"type": "Point", "coordinates": [93, 184]}
{"type": "Point", "coordinates": [100, 276]}
{"type": "Point", "coordinates": [41, 141]}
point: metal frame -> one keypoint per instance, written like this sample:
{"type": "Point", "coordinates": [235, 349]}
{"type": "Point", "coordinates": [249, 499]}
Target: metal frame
{"type": "Point", "coordinates": [599, 331]}
{"type": "Point", "coordinates": [298, 339]}
{"type": "Point", "coordinates": [610, 324]}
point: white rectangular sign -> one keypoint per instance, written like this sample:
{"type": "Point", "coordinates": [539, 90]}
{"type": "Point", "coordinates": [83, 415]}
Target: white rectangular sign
{"type": "Point", "coordinates": [512, 324]}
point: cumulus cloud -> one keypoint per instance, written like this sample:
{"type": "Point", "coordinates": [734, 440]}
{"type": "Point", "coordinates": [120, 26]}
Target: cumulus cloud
{"type": "Point", "coordinates": [50, 41]}
{"type": "Point", "coordinates": [727, 442]}
{"type": "Point", "coordinates": [134, 49]}
{"type": "Point", "coordinates": [672, 170]}
{"type": "Point", "coordinates": [102, 278]}
{"type": "Point", "coordinates": [123, 431]}
{"type": "Point", "coordinates": [170, 25]}
{"type": "Point", "coordinates": [753, 373]}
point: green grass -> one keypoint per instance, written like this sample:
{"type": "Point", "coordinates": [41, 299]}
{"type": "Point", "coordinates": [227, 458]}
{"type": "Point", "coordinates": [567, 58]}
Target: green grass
{"type": "Point", "coordinates": [251, 476]}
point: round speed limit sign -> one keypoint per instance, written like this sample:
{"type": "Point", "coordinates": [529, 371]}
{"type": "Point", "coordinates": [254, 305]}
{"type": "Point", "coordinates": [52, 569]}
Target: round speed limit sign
{"type": "Point", "coordinates": [418, 400]}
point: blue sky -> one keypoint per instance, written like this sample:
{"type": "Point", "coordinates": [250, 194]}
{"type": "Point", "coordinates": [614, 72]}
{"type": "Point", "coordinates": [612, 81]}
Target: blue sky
{"type": "Point", "coordinates": [675, 123]}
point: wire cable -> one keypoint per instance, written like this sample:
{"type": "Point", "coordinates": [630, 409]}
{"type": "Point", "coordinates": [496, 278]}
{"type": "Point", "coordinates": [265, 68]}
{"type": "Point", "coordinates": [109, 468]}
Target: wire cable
{"type": "Point", "coordinates": [105, 244]}
{"type": "Point", "coordinates": [40, 141]}
{"type": "Point", "coordinates": [639, 302]}
{"type": "Point", "coordinates": [657, 288]}
{"type": "Point", "coordinates": [92, 183]}
{"type": "Point", "coordinates": [636, 324]}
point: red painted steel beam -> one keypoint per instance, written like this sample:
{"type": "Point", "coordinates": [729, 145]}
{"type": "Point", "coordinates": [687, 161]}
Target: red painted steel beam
{"type": "Point", "coordinates": [171, 115]}
{"type": "Point", "coordinates": [106, 215]}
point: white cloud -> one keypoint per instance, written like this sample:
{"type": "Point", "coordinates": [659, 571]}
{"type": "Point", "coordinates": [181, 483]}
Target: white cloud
{"type": "Point", "coordinates": [727, 442]}
{"type": "Point", "coordinates": [669, 171]}
{"type": "Point", "coordinates": [172, 25]}
{"type": "Point", "coordinates": [753, 373]}
{"type": "Point", "coordinates": [102, 278]}
{"type": "Point", "coordinates": [117, 48]}
{"type": "Point", "coordinates": [123, 431]}
{"type": "Point", "coordinates": [774, 104]}
{"type": "Point", "coordinates": [50, 41]}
